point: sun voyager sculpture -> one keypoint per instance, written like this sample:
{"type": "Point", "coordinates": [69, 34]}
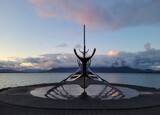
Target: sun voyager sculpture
{"type": "Point", "coordinates": [87, 80]}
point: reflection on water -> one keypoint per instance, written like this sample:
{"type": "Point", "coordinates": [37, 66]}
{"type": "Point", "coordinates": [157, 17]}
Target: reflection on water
{"type": "Point", "coordinates": [21, 79]}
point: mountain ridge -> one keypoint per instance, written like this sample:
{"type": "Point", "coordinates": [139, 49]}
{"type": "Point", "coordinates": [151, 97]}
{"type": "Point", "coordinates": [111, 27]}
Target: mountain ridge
{"type": "Point", "coordinates": [123, 69]}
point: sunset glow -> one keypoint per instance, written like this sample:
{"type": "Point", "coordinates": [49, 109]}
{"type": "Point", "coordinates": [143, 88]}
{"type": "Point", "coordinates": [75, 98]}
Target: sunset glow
{"type": "Point", "coordinates": [26, 64]}
{"type": "Point", "coordinates": [113, 53]}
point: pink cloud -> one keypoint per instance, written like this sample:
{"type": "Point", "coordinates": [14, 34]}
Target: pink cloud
{"type": "Point", "coordinates": [80, 11]}
{"type": "Point", "coordinates": [113, 53]}
{"type": "Point", "coordinates": [110, 14]}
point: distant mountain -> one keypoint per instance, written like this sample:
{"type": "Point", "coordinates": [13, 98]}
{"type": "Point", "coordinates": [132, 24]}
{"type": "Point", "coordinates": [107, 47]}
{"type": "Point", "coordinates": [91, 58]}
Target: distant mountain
{"type": "Point", "coordinates": [20, 71]}
{"type": "Point", "coordinates": [63, 70]}
{"type": "Point", "coordinates": [31, 70]}
{"type": "Point", "coordinates": [8, 71]}
{"type": "Point", "coordinates": [123, 69]}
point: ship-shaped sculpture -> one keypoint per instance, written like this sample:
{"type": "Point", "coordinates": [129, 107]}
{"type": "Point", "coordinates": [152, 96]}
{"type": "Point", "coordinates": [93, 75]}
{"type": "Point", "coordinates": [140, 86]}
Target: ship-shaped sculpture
{"type": "Point", "coordinates": [84, 77]}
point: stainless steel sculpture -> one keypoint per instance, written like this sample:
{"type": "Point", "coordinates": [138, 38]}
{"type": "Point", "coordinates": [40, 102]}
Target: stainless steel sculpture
{"type": "Point", "coordinates": [84, 77]}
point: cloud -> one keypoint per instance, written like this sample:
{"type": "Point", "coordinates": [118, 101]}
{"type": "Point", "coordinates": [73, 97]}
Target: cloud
{"type": "Point", "coordinates": [7, 64]}
{"type": "Point", "coordinates": [62, 45]}
{"type": "Point", "coordinates": [26, 64]}
{"type": "Point", "coordinates": [147, 46]}
{"type": "Point", "coordinates": [113, 53]}
{"type": "Point", "coordinates": [32, 60]}
{"type": "Point", "coordinates": [110, 14]}
{"type": "Point", "coordinates": [78, 46]}
{"type": "Point", "coordinates": [147, 59]}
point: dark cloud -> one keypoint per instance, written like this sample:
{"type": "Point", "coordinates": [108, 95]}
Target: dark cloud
{"type": "Point", "coordinates": [78, 46]}
{"type": "Point", "coordinates": [32, 60]}
{"type": "Point", "coordinates": [111, 14]}
{"type": "Point", "coordinates": [61, 60]}
{"type": "Point", "coordinates": [62, 45]}
{"type": "Point", "coordinates": [9, 64]}
{"type": "Point", "coordinates": [148, 47]}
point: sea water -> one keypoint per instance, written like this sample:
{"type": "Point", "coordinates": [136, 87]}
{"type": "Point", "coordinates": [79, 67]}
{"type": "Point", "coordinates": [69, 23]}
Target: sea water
{"type": "Point", "coordinates": [23, 79]}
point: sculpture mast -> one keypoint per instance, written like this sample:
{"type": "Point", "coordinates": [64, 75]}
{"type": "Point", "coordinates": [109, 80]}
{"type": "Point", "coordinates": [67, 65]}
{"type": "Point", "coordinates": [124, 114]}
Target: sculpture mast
{"type": "Point", "coordinates": [84, 61]}
{"type": "Point", "coordinates": [84, 52]}
{"type": "Point", "coordinates": [84, 56]}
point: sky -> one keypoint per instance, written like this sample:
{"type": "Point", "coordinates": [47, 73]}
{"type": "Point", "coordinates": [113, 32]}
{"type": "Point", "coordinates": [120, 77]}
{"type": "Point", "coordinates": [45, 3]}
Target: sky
{"type": "Point", "coordinates": [41, 34]}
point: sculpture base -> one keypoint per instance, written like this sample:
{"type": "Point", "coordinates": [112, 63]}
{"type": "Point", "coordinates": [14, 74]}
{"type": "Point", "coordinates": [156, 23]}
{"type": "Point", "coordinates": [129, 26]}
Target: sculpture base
{"type": "Point", "coordinates": [84, 96]}
{"type": "Point", "coordinates": [32, 97]}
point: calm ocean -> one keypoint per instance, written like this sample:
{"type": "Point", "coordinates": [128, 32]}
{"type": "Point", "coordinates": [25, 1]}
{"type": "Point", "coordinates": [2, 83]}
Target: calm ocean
{"type": "Point", "coordinates": [22, 79]}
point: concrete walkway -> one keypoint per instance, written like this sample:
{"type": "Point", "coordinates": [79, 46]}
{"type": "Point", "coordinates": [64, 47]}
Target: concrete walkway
{"type": "Point", "coordinates": [6, 109]}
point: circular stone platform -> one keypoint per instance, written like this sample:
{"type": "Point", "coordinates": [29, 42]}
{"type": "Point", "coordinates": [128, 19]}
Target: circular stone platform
{"type": "Point", "coordinates": [76, 90]}
{"type": "Point", "coordinates": [33, 96]}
